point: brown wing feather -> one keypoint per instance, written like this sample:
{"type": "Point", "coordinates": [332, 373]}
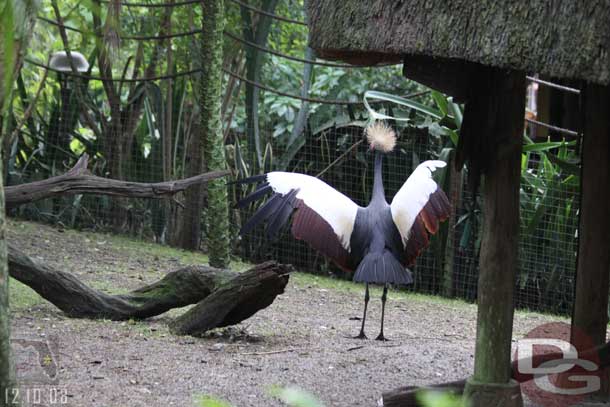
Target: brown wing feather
{"type": "Point", "coordinates": [307, 225]}
{"type": "Point", "coordinates": [427, 222]}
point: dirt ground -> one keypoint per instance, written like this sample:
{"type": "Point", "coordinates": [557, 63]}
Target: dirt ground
{"type": "Point", "coordinates": [302, 339]}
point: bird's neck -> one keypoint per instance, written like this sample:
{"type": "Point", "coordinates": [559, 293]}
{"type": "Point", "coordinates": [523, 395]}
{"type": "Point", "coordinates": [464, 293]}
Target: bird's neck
{"type": "Point", "coordinates": [378, 192]}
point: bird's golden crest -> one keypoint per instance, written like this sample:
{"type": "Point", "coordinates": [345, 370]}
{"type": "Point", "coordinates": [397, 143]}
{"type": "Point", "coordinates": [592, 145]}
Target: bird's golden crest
{"type": "Point", "coordinates": [380, 136]}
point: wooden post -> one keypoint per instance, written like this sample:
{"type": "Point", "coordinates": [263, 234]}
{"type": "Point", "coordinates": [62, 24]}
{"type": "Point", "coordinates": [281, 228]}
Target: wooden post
{"type": "Point", "coordinates": [491, 384]}
{"type": "Point", "coordinates": [590, 315]}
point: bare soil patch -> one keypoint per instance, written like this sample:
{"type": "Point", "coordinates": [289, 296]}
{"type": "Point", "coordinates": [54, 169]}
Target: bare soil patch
{"type": "Point", "coordinates": [302, 339]}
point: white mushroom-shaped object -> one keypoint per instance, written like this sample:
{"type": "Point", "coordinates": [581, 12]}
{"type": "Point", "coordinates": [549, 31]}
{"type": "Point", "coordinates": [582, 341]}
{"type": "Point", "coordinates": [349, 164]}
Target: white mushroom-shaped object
{"type": "Point", "coordinates": [61, 62]}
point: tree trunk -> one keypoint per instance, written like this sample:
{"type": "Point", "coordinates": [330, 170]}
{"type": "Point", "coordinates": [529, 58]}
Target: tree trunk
{"type": "Point", "coordinates": [188, 235]}
{"type": "Point", "coordinates": [213, 145]}
{"type": "Point", "coordinates": [17, 20]}
{"type": "Point", "coordinates": [6, 365]}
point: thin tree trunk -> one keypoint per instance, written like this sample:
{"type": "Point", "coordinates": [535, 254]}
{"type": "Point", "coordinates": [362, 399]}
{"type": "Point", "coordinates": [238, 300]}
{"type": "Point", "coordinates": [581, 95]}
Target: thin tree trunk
{"type": "Point", "coordinates": [17, 19]}
{"type": "Point", "coordinates": [189, 233]}
{"type": "Point", "coordinates": [6, 366]}
{"type": "Point", "coordinates": [254, 62]}
{"type": "Point", "coordinates": [213, 145]}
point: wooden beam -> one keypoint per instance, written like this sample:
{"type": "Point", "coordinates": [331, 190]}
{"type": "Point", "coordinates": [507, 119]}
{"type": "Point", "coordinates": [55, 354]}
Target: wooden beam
{"type": "Point", "coordinates": [450, 76]}
{"type": "Point", "coordinates": [498, 258]}
{"type": "Point", "coordinates": [590, 314]}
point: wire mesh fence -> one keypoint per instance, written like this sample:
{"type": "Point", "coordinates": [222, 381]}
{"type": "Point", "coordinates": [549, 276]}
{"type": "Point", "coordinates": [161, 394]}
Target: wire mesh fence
{"type": "Point", "coordinates": [147, 129]}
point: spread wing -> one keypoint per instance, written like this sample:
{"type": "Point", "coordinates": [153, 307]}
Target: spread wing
{"type": "Point", "coordinates": [323, 217]}
{"type": "Point", "coordinates": [417, 209]}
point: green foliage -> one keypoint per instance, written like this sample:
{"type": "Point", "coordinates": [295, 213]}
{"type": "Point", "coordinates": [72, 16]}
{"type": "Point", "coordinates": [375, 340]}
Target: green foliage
{"type": "Point", "coordinates": [6, 51]}
{"type": "Point", "coordinates": [549, 219]}
{"type": "Point", "coordinates": [440, 399]}
{"type": "Point", "coordinates": [210, 401]}
{"type": "Point", "coordinates": [295, 397]}
{"type": "Point", "coordinates": [292, 396]}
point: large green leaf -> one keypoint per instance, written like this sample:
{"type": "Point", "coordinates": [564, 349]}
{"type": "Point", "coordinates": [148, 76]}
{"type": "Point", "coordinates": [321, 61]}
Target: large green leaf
{"type": "Point", "coordinates": [456, 112]}
{"type": "Point", "coordinates": [441, 102]}
{"type": "Point", "coordinates": [545, 146]}
{"type": "Point", "coordinates": [421, 108]}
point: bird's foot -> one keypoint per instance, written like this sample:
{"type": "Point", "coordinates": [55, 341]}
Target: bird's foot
{"type": "Point", "coordinates": [380, 337]}
{"type": "Point", "coordinates": [361, 335]}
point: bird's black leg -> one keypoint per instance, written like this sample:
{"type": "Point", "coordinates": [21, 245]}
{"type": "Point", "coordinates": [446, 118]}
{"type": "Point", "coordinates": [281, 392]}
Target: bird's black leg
{"type": "Point", "coordinates": [361, 335]}
{"type": "Point", "coordinates": [384, 297]}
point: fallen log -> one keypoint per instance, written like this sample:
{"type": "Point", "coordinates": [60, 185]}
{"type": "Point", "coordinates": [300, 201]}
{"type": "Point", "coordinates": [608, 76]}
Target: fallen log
{"type": "Point", "coordinates": [234, 296]}
{"type": "Point", "coordinates": [234, 301]}
{"type": "Point", "coordinates": [407, 396]}
{"type": "Point", "coordinates": [79, 180]}
{"type": "Point", "coordinates": [178, 288]}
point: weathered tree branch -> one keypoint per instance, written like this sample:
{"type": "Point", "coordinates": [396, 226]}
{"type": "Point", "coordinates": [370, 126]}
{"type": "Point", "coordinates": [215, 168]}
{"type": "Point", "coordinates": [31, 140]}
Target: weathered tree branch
{"type": "Point", "coordinates": [79, 181]}
{"type": "Point", "coordinates": [224, 296]}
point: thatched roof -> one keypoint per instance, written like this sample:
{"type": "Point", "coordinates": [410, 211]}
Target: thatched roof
{"type": "Point", "coordinates": [563, 39]}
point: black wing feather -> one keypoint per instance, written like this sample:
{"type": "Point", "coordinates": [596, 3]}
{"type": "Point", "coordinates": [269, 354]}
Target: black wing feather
{"type": "Point", "coordinates": [283, 213]}
{"type": "Point", "coordinates": [262, 190]}
{"type": "Point", "coordinates": [262, 213]}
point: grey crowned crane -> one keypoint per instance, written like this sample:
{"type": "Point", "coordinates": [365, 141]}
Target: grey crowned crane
{"type": "Point", "coordinates": [376, 242]}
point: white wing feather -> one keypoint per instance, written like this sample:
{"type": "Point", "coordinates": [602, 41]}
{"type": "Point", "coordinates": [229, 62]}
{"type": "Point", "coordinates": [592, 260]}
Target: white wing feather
{"type": "Point", "coordinates": [413, 196]}
{"type": "Point", "coordinates": [334, 207]}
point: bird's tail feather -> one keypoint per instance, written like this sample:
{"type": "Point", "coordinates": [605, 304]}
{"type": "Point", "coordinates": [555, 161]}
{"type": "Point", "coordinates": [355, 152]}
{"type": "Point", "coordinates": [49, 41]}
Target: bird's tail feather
{"type": "Point", "coordinates": [381, 268]}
